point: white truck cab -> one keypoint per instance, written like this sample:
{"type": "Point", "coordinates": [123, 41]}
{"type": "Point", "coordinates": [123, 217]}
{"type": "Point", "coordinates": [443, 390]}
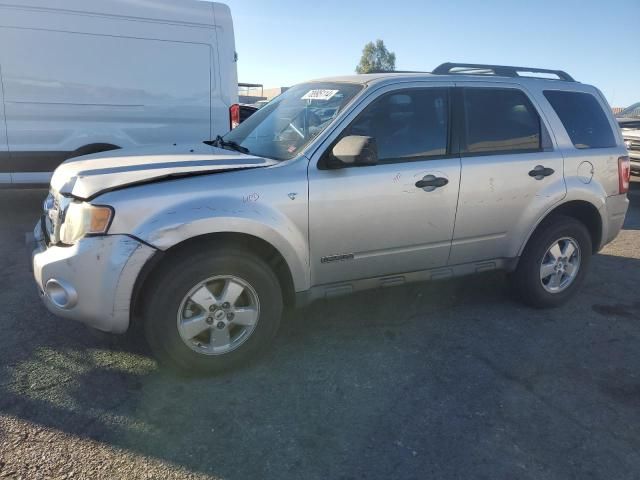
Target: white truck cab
{"type": "Point", "coordinates": [85, 76]}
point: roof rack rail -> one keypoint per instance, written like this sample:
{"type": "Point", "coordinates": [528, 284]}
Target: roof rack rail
{"type": "Point", "coordinates": [396, 71]}
{"type": "Point", "coordinates": [499, 70]}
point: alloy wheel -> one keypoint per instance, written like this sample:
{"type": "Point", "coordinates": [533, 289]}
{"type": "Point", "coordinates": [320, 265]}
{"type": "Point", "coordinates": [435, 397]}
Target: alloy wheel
{"type": "Point", "coordinates": [218, 315]}
{"type": "Point", "coordinates": [560, 265]}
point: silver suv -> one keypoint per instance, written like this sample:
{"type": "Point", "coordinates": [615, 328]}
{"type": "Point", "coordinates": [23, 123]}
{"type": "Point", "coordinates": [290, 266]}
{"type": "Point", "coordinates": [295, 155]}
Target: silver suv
{"type": "Point", "coordinates": [335, 186]}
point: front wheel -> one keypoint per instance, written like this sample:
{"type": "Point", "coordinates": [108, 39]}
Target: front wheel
{"type": "Point", "coordinates": [212, 311]}
{"type": "Point", "coordinates": [554, 263]}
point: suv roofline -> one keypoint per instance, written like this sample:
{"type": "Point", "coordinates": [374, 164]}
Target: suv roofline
{"type": "Point", "coordinates": [486, 72]}
{"type": "Point", "coordinates": [371, 80]}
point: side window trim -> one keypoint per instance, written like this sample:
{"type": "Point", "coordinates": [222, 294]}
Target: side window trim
{"type": "Point", "coordinates": [545, 137]}
{"type": "Point", "coordinates": [453, 144]}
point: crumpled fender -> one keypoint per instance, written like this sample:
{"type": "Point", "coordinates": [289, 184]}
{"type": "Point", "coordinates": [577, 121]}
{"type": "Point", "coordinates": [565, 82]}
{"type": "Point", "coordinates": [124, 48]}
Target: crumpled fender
{"type": "Point", "coordinates": [268, 203]}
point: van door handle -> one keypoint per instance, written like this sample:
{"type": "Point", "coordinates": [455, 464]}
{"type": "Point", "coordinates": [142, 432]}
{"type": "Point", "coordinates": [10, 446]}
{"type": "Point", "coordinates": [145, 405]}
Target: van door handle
{"type": "Point", "coordinates": [539, 172]}
{"type": "Point", "coordinates": [431, 182]}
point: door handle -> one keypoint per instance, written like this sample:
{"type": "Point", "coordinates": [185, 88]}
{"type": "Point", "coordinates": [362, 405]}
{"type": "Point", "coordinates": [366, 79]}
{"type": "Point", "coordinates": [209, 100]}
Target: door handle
{"type": "Point", "coordinates": [431, 182]}
{"type": "Point", "coordinates": [539, 172]}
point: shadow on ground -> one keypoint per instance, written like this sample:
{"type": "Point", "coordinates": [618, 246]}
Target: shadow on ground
{"type": "Point", "coordinates": [450, 379]}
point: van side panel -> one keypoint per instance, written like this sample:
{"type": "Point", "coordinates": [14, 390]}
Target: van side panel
{"type": "Point", "coordinates": [124, 73]}
{"type": "Point", "coordinates": [5, 176]}
{"type": "Point", "coordinates": [71, 83]}
{"type": "Point", "coordinates": [227, 72]}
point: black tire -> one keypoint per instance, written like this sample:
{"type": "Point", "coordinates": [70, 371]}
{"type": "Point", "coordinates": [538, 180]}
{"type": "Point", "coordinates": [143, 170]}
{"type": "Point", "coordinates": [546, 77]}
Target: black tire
{"type": "Point", "coordinates": [526, 279]}
{"type": "Point", "coordinates": [172, 282]}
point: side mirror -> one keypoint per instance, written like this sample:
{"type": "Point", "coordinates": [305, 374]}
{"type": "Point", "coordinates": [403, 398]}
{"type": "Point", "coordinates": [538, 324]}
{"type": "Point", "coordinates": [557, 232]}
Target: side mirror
{"type": "Point", "coordinates": [356, 150]}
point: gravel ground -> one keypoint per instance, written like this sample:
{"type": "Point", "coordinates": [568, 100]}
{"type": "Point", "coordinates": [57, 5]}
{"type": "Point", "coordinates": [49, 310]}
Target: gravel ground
{"type": "Point", "coordinates": [31, 451]}
{"type": "Point", "coordinates": [444, 380]}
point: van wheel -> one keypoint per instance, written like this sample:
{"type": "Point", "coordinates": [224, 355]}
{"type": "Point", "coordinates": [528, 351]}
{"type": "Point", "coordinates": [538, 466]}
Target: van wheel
{"type": "Point", "coordinates": [554, 263]}
{"type": "Point", "coordinates": [212, 311]}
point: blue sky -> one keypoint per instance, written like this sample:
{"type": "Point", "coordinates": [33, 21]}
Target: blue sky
{"type": "Point", "coordinates": [283, 42]}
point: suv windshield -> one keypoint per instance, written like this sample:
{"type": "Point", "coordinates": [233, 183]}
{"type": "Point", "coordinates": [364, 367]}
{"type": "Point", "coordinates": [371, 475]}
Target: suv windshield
{"type": "Point", "coordinates": [631, 112]}
{"type": "Point", "coordinates": [290, 121]}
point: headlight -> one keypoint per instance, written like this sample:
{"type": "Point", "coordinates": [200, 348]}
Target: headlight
{"type": "Point", "coordinates": [83, 219]}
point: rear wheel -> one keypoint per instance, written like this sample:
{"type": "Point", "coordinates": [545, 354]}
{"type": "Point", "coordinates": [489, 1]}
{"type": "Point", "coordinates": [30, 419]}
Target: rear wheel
{"type": "Point", "coordinates": [554, 263]}
{"type": "Point", "coordinates": [212, 311]}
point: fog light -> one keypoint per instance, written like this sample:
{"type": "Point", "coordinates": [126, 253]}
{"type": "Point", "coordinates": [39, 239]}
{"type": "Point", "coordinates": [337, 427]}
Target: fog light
{"type": "Point", "coordinates": [61, 294]}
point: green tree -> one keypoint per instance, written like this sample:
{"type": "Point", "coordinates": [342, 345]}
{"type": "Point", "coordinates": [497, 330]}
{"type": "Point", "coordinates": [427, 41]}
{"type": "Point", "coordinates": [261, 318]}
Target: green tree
{"type": "Point", "coordinates": [376, 58]}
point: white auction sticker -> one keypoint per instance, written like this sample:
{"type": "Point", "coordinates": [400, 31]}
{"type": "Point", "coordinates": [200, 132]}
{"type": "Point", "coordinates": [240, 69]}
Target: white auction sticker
{"type": "Point", "coordinates": [319, 94]}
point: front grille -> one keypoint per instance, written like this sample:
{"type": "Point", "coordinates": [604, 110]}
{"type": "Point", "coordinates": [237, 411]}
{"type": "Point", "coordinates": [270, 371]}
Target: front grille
{"type": "Point", "coordinates": [45, 230]}
{"type": "Point", "coordinates": [51, 220]}
{"type": "Point", "coordinates": [635, 145]}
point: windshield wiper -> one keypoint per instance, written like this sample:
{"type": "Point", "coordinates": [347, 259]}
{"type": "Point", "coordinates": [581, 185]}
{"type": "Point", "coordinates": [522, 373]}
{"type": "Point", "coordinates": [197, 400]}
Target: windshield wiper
{"type": "Point", "coordinates": [227, 144]}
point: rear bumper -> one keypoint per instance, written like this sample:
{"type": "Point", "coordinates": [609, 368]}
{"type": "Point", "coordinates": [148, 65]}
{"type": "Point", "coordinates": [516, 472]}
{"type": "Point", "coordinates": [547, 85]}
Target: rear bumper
{"type": "Point", "coordinates": [90, 282]}
{"type": "Point", "coordinates": [614, 214]}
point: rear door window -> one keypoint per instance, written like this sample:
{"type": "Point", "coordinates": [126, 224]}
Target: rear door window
{"type": "Point", "coordinates": [500, 120]}
{"type": "Point", "coordinates": [583, 118]}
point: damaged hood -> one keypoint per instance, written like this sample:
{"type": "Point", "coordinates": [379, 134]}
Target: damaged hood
{"type": "Point", "coordinates": [88, 176]}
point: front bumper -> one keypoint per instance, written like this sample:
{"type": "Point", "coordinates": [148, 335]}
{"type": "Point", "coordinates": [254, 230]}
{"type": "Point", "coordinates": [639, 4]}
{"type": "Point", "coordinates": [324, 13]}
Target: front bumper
{"type": "Point", "coordinates": [91, 282]}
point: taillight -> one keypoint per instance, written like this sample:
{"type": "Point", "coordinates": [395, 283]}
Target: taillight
{"type": "Point", "coordinates": [234, 115]}
{"type": "Point", "coordinates": [624, 173]}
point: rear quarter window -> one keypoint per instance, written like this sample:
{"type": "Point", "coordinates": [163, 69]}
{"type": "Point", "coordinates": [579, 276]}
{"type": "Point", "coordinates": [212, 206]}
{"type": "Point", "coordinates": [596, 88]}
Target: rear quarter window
{"type": "Point", "coordinates": [583, 119]}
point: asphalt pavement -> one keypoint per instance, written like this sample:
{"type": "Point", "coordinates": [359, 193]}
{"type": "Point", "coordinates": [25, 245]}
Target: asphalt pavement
{"type": "Point", "coordinates": [443, 380]}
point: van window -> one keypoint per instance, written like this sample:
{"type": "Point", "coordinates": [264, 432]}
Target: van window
{"type": "Point", "coordinates": [583, 118]}
{"type": "Point", "coordinates": [407, 125]}
{"type": "Point", "coordinates": [500, 121]}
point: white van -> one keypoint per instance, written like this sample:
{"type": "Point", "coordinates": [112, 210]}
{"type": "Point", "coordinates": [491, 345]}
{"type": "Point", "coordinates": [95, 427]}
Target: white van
{"type": "Point", "coordinates": [84, 76]}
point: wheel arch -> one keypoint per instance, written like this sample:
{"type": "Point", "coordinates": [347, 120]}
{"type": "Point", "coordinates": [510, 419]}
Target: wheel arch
{"type": "Point", "coordinates": [250, 243]}
{"type": "Point", "coordinates": [585, 212]}
{"type": "Point", "coordinates": [94, 148]}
